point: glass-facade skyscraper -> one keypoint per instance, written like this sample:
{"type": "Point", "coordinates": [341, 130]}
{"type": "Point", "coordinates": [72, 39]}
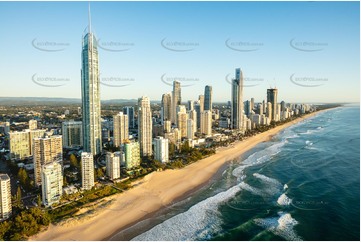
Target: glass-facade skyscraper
{"type": "Point", "coordinates": [90, 91]}
{"type": "Point", "coordinates": [237, 101]}
{"type": "Point", "coordinates": [128, 110]}
{"type": "Point", "coordinates": [272, 98]}
{"type": "Point", "coordinates": [176, 100]}
{"type": "Point", "coordinates": [208, 98]}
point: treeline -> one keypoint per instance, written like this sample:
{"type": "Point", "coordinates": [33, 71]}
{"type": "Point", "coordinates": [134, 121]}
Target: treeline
{"type": "Point", "coordinates": [25, 224]}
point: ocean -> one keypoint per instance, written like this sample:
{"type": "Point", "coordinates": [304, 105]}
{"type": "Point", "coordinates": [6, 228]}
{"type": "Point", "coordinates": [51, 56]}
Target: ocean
{"type": "Point", "coordinates": [303, 184]}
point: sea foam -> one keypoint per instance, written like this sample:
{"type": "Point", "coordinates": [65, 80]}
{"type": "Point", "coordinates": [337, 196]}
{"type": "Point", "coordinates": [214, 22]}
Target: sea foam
{"type": "Point", "coordinates": [200, 222]}
{"type": "Point", "coordinates": [283, 200]}
{"type": "Point", "coordinates": [282, 226]}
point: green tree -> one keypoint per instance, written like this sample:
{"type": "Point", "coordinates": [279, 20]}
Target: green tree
{"type": "Point", "coordinates": [18, 197]}
{"type": "Point", "coordinates": [24, 178]}
{"type": "Point", "coordinates": [4, 229]}
{"type": "Point", "coordinates": [25, 224]}
{"type": "Point", "coordinates": [65, 182]}
{"type": "Point", "coordinates": [74, 161]}
{"type": "Point", "coordinates": [185, 148]}
{"type": "Point", "coordinates": [41, 217]}
{"type": "Point", "coordinates": [99, 173]}
{"type": "Point", "coordinates": [171, 149]}
{"type": "Point", "coordinates": [38, 201]}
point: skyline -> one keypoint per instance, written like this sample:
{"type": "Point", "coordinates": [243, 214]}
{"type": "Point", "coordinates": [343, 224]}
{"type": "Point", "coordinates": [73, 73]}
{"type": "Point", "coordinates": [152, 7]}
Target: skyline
{"type": "Point", "coordinates": [210, 60]}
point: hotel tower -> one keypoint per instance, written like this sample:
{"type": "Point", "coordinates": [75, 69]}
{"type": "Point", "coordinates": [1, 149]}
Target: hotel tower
{"type": "Point", "coordinates": [90, 92]}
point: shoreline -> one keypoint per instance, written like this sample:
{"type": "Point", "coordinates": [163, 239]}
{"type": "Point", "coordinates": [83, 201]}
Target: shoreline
{"type": "Point", "coordinates": [155, 193]}
{"type": "Point", "coordinates": [128, 231]}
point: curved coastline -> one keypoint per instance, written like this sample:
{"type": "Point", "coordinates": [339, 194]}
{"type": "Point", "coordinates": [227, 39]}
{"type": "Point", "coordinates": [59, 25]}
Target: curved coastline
{"type": "Point", "coordinates": [154, 192]}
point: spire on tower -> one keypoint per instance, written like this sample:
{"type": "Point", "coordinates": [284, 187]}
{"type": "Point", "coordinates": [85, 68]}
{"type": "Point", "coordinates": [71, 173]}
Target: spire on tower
{"type": "Point", "coordinates": [89, 20]}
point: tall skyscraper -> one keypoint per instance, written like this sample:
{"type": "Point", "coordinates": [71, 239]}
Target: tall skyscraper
{"type": "Point", "coordinates": [87, 170]}
{"type": "Point", "coordinates": [46, 150]}
{"type": "Point", "coordinates": [166, 111]}
{"type": "Point", "coordinates": [247, 107]}
{"type": "Point", "coordinates": [208, 98]}
{"type": "Point", "coordinates": [72, 133]}
{"type": "Point", "coordinates": [132, 155]}
{"type": "Point", "coordinates": [278, 115]}
{"type": "Point", "coordinates": [182, 123]}
{"type": "Point", "coordinates": [51, 183]}
{"type": "Point", "coordinates": [272, 98]}
{"type": "Point", "coordinates": [206, 122]}
{"type": "Point", "coordinates": [176, 100]}
{"type": "Point", "coordinates": [198, 110]}
{"type": "Point", "coordinates": [264, 106]}
{"type": "Point", "coordinates": [190, 129]}
{"type": "Point", "coordinates": [167, 126]}
{"type": "Point", "coordinates": [5, 197]}
{"type": "Point", "coordinates": [120, 129]}
{"type": "Point", "coordinates": [252, 104]}
{"type": "Point", "coordinates": [90, 91]}
{"type": "Point", "coordinates": [269, 111]}
{"type": "Point", "coordinates": [33, 124]}
{"type": "Point", "coordinates": [237, 101]}
{"type": "Point", "coordinates": [192, 114]}
{"type": "Point", "coordinates": [161, 149]}
{"type": "Point", "coordinates": [283, 106]}
{"type": "Point", "coordinates": [130, 112]}
{"type": "Point", "coordinates": [261, 109]}
{"type": "Point", "coordinates": [190, 105]}
{"type": "Point", "coordinates": [201, 102]}
{"type": "Point", "coordinates": [113, 165]}
{"type": "Point", "coordinates": [145, 126]}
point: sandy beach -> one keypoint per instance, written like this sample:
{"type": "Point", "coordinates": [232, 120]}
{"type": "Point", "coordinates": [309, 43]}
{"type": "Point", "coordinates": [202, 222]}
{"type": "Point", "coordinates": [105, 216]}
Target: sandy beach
{"type": "Point", "coordinates": [152, 193]}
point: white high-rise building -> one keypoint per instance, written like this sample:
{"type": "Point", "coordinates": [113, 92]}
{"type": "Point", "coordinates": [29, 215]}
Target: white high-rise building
{"type": "Point", "coordinates": [87, 170]}
{"type": "Point", "coordinates": [167, 126]}
{"type": "Point", "coordinates": [237, 101]}
{"type": "Point", "coordinates": [72, 133]}
{"type": "Point", "coordinates": [269, 110]}
{"type": "Point", "coordinates": [190, 129]}
{"type": "Point", "coordinates": [120, 129]}
{"type": "Point", "coordinates": [192, 114]}
{"type": "Point", "coordinates": [21, 142]}
{"type": "Point", "coordinates": [5, 199]}
{"type": "Point", "coordinates": [201, 102]}
{"type": "Point", "coordinates": [90, 91]}
{"type": "Point", "coordinates": [182, 123]}
{"type": "Point", "coordinates": [33, 124]}
{"type": "Point", "coordinates": [206, 122]}
{"type": "Point", "coordinates": [145, 126]}
{"type": "Point", "coordinates": [46, 150]}
{"type": "Point", "coordinates": [51, 183]}
{"type": "Point", "coordinates": [177, 135]}
{"type": "Point", "coordinates": [113, 165]}
{"type": "Point", "coordinates": [278, 115]}
{"type": "Point", "coordinates": [161, 149]}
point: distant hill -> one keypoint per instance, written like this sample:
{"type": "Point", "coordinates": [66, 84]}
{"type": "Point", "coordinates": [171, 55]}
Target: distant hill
{"type": "Point", "coordinates": [8, 101]}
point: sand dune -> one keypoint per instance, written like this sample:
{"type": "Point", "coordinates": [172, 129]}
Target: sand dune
{"type": "Point", "coordinates": [155, 191]}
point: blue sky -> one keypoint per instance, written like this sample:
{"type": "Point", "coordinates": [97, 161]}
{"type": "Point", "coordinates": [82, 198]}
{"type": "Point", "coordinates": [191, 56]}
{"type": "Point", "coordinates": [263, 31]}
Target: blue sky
{"type": "Point", "coordinates": [309, 50]}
